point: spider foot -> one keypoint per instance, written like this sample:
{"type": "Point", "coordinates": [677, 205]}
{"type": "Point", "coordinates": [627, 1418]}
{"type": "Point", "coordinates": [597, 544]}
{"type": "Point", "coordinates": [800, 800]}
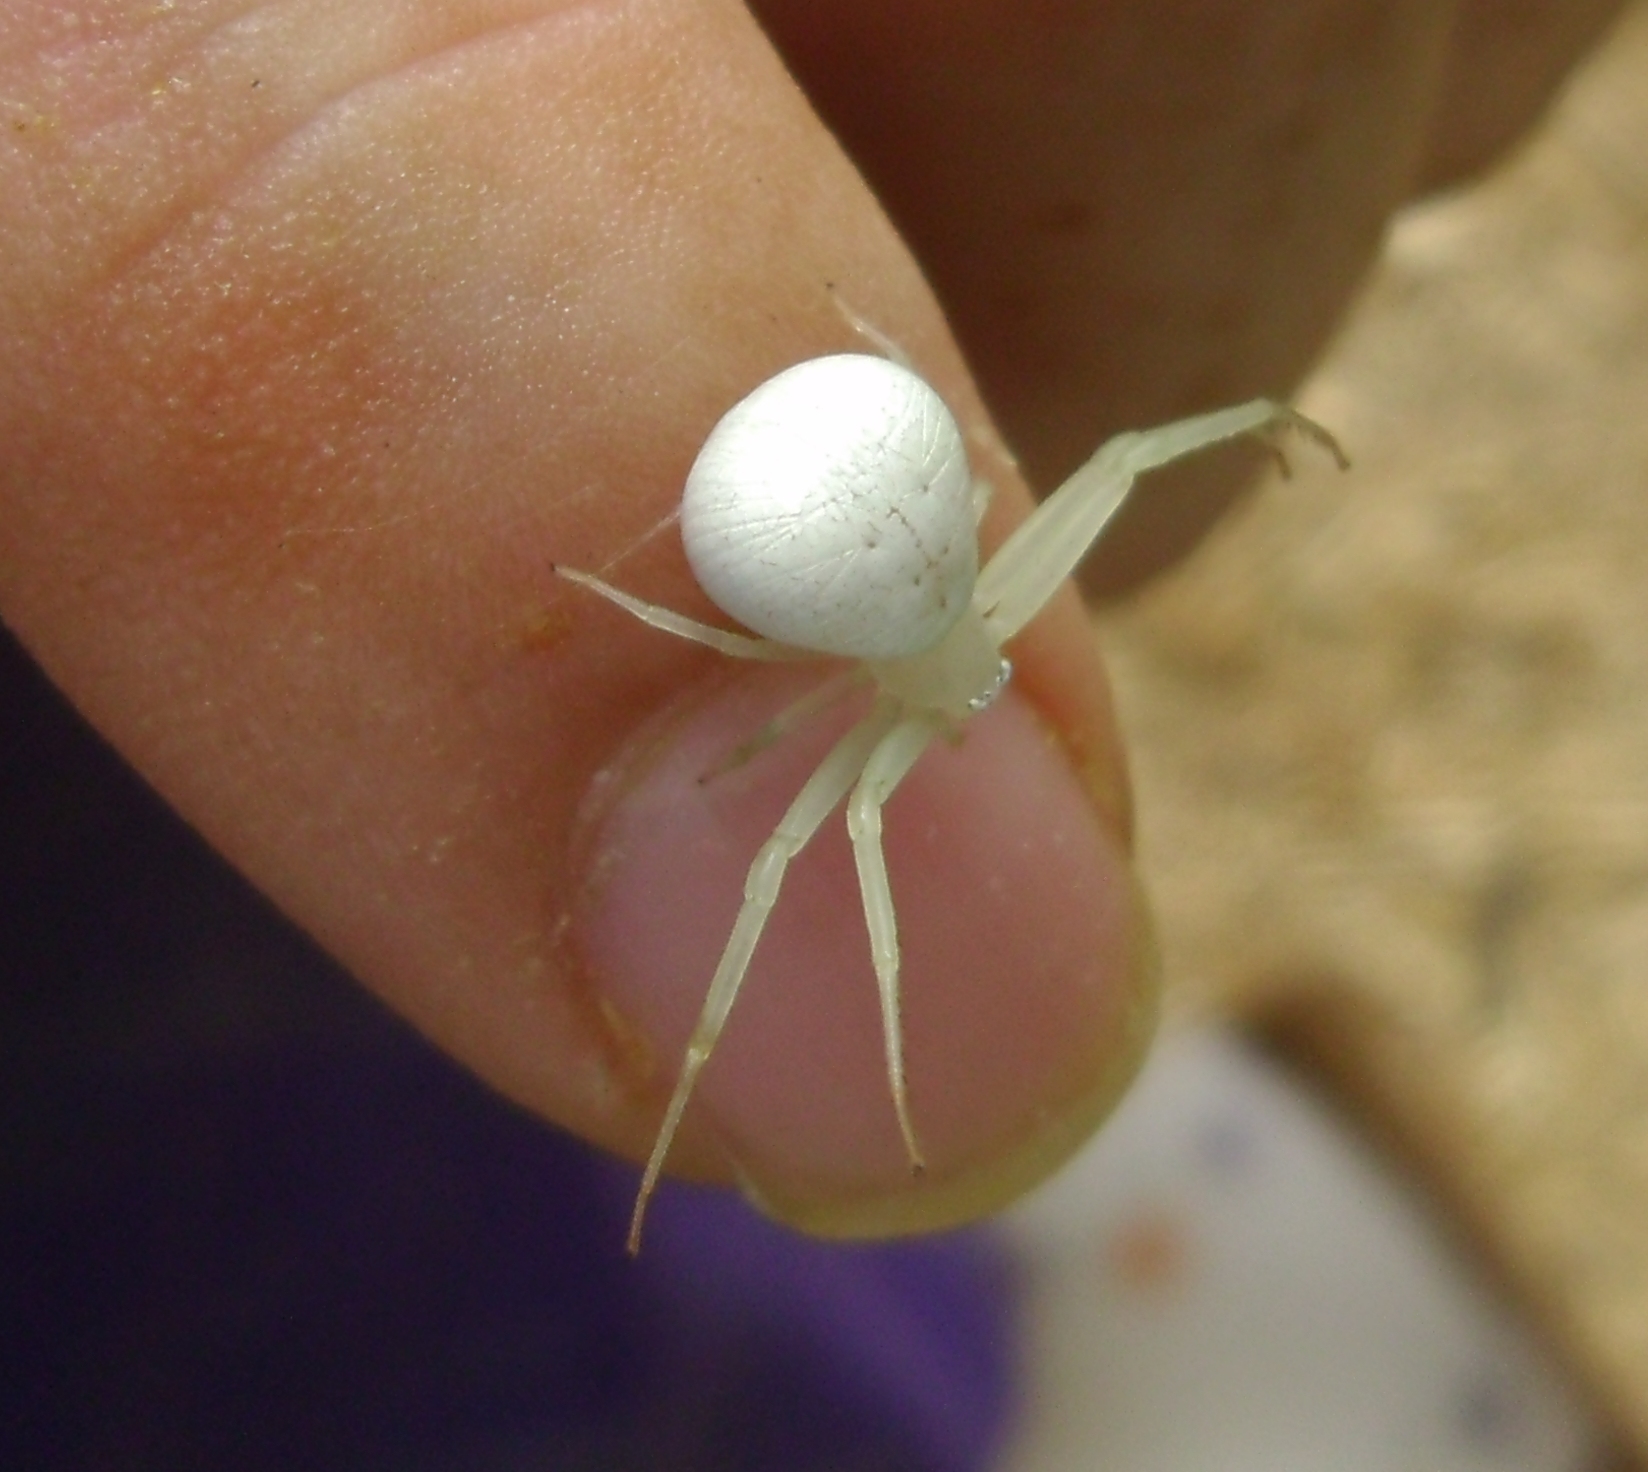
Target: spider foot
{"type": "Point", "coordinates": [918, 1161]}
{"type": "Point", "coordinates": [746, 750]}
{"type": "Point", "coordinates": [1291, 419]}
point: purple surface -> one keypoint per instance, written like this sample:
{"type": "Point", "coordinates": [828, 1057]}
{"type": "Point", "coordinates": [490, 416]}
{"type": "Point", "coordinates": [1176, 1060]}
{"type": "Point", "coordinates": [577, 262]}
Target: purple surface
{"type": "Point", "coordinates": [247, 1221]}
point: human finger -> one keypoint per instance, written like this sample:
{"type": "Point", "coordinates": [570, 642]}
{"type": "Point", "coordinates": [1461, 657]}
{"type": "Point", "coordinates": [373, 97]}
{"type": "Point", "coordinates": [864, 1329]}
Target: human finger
{"type": "Point", "coordinates": [1133, 211]}
{"type": "Point", "coordinates": [325, 333]}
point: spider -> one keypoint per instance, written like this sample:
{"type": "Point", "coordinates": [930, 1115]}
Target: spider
{"type": "Point", "coordinates": [832, 512]}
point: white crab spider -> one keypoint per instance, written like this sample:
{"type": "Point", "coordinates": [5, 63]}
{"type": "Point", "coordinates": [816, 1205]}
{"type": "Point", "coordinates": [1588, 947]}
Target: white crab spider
{"type": "Point", "coordinates": [832, 511]}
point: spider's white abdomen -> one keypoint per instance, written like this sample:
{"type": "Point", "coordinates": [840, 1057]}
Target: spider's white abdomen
{"type": "Point", "coordinates": [833, 509]}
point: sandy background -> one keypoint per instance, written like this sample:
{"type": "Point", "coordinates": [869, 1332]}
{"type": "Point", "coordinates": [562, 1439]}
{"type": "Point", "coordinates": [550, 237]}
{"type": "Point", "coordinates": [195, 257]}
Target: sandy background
{"type": "Point", "coordinates": [1391, 728]}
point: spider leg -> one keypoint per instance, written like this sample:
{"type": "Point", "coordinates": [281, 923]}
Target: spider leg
{"type": "Point", "coordinates": [1046, 549]}
{"type": "Point", "coordinates": [819, 698]}
{"type": "Point", "coordinates": [887, 766]}
{"type": "Point", "coordinates": [739, 646]}
{"type": "Point", "coordinates": [830, 782]}
{"type": "Point", "coordinates": [867, 329]}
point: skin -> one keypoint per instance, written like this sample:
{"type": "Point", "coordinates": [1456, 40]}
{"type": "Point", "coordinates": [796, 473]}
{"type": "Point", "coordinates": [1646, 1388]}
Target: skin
{"type": "Point", "coordinates": [325, 329]}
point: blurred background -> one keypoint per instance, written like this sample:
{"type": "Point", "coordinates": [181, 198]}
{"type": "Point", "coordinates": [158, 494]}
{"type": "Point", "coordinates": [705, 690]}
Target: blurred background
{"type": "Point", "coordinates": [1391, 730]}
{"type": "Point", "coordinates": [1381, 1201]}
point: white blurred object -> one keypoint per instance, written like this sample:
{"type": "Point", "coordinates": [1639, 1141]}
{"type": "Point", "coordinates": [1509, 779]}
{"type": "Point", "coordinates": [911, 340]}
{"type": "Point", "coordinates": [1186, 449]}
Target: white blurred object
{"type": "Point", "coordinates": [1228, 1279]}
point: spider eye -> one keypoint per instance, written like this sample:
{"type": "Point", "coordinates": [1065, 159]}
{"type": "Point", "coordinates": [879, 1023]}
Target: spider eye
{"type": "Point", "coordinates": [833, 509]}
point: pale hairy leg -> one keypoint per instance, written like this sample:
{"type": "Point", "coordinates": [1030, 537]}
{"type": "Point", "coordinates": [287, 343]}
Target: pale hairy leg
{"type": "Point", "coordinates": [829, 784]}
{"type": "Point", "coordinates": [817, 700]}
{"type": "Point", "coordinates": [1033, 562]}
{"type": "Point", "coordinates": [887, 766]}
{"type": "Point", "coordinates": [739, 646]}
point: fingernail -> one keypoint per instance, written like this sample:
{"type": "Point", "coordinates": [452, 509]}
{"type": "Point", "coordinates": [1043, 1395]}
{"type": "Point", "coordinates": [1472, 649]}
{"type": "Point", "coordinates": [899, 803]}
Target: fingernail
{"type": "Point", "coordinates": [1028, 966]}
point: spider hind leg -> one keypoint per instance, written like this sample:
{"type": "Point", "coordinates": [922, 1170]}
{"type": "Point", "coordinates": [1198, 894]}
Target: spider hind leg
{"type": "Point", "coordinates": [797, 713]}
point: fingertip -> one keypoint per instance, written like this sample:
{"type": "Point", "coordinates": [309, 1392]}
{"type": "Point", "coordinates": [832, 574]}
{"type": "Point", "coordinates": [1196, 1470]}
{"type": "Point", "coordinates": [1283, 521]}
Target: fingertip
{"type": "Point", "coordinates": [1028, 968]}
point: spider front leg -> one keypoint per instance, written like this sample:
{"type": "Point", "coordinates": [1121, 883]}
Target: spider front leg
{"type": "Point", "coordinates": [1033, 562]}
{"type": "Point", "coordinates": [830, 782]}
